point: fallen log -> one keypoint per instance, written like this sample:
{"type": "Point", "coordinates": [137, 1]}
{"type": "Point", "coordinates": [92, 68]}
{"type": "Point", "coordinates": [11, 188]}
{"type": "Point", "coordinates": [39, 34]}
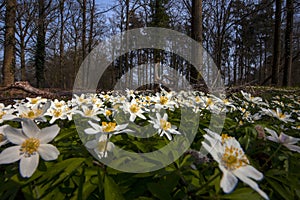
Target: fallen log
{"type": "Point", "coordinates": [25, 86]}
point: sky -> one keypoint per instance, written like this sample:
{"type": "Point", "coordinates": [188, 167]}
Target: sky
{"type": "Point", "coordinates": [102, 4]}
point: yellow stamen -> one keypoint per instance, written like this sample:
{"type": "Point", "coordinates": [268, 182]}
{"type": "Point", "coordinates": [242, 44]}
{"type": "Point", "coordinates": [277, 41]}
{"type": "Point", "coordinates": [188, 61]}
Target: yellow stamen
{"type": "Point", "coordinates": [30, 146]}
{"type": "Point", "coordinates": [209, 102]}
{"type": "Point", "coordinates": [134, 108]}
{"type": "Point", "coordinates": [281, 115]}
{"type": "Point", "coordinates": [225, 137]}
{"type": "Point", "coordinates": [94, 100]}
{"type": "Point", "coordinates": [34, 100]}
{"type": "Point", "coordinates": [234, 158]}
{"type": "Point", "coordinates": [2, 137]}
{"type": "Point", "coordinates": [165, 125]}
{"type": "Point", "coordinates": [57, 113]}
{"type": "Point", "coordinates": [82, 99]}
{"type": "Point", "coordinates": [58, 104]}
{"type": "Point", "coordinates": [198, 99]}
{"type": "Point", "coordinates": [108, 113]}
{"type": "Point", "coordinates": [163, 100]}
{"type": "Point", "coordinates": [108, 127]}
{"type": "Point", "coordinates": [2, 113]}
{"type": "Point", "coordinates": [32, 114]}
{"type": "Point", "coordinates": [89, 112]}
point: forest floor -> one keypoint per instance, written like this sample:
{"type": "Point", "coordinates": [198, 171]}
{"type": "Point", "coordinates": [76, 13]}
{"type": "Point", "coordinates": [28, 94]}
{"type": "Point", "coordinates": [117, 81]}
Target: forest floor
{"type": "Point", "coordinates": [9, 94]}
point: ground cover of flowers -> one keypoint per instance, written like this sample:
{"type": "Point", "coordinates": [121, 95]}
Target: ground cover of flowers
{"type": "Point", "coordinates": [255, 157]}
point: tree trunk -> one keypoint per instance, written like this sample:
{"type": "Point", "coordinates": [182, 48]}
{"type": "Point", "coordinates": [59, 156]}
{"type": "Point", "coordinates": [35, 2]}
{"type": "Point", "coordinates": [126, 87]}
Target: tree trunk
{"type": "Point", "coordinates": [196, 35]}
{"type": "Point", "coordinates": [287, 73]}
{"type": "Point", "coordinates": [92, 18]}
{"type": "Point", "coordinates": [61, 44]}
{"type": "Point", "coordinates": [9, 43]}
{"type": "Point", "coordinates": [127, 77]}
{"type": "Point", "coordinates": [83, 40]}
{"type": "Point", "coordinates": [83, 28]}
{"type": "Point", "coordinates": [276, 50]}
{"type": "Point", "coordinates": [40, 45]}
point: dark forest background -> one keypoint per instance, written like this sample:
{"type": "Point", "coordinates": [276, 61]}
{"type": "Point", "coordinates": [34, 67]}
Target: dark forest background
{"type": "Point", "coordinates": [253, 42]}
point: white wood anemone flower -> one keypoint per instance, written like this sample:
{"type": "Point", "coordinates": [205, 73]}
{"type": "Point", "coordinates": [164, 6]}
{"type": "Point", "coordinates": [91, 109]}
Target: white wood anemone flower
{"type": "Point", "coordinates": [285, 117]}
{"type": "Point", "coordinates": [255, 100]}
{"type": "Point", "coordinates": [4, 111]}
{"type": "Point", "coordinates": [165, 101]}
{"type": "Point", "coordinates": [89, 112]}
{"type": "Point", "coordinates": [101, 145]}
{"type": "Point", "coordinates": [31, 143]}
{"type": "Point", "coordinates": [232, 162]}
{"type": "Point", "coordinates": [134, 109]}
{"type": "Point", "coordinates": [3, 138]}
{"type": "Point", "coordinates": [286, 140]}
{"type": "Point", "coordinates": [106, 128]}
{"type": "Point", "coordinates": [163, 126]}
{"type": "Point", "coordinates": [35, 112]}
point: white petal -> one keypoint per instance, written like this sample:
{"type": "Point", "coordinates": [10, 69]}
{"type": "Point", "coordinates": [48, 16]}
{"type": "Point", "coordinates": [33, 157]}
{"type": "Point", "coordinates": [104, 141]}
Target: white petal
{"type": "Point", "coordinates": [30, 129]}
{"type": "Point", "coordinates": [213, 134]}
{"type": "Point", "coordinates": [167, 134]}
{"type": "Point", "coordinates": [174, 131]}
{"type": "Point", "coordinates": [210, 139]}
{"type": "Point", "coordinates": [212, 151]}
{"type": "Point", "coordinates": [273, 133]}
{"type": "Point", "coordinates": [8, 117]}
{"type": "Point", "coordinates": [91, 131]}
{"type": "Point", "coordinates": [272, 139]}
{"type": "Point", "coordinates": [110, 146]}
{"type": "Point", "coordinates": [49, 133]}
{"type": "Point", "coordinates": [286, 139]}
{"type": "Point", "coordinates": [48, 152]}
{"type": "Point", "coordinates": [121, 127]}
{"type": "Point", "coordinates": [102, 137]}
{"type": "Point", "coordinates": [165, 117]}
{"type": "Point", "coordinates": [123, 131]}
{"type": "Point", "coordinates": [23, 109]}
{"type": "Point", "coordinates": [2, 128]}
{"type": "Point", "coordinates": [132, 117]}
{"type": "Point", "coordinates": [293, 147]}
{"type": "Point", "coordinates": [14, 135]}
{"type": "Point", "coordinates": [53, 119]}
{"type": "Point", "coordinates": [95, 126]}
{"type": "Point", "coordinates": [250, 182]}
{"type": "Point", "coordinates": [91, 144]}
{"type": "Point", "coordinates": [158, 115]}
{"type": "Point", "coordinates": [250, 172]}
{"type": "Point", "coordinates": [28, 165]}
{"type": "Point", "coordinates": [140, 115]}
{"type": "Point", "coordinates": [228, 181]}
{"type": "Point", "coordinates": [10, 155]}
{"type": "Point", "coordinates": [3, 142]}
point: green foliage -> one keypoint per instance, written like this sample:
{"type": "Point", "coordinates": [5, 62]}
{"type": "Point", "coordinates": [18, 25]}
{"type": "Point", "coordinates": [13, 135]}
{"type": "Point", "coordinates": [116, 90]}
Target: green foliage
{"type": "Point", "coordinates": [77, 175]}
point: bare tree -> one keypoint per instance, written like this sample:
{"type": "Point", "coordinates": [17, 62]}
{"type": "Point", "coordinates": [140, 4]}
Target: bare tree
{"type": "Point", "coordinates": [287, 72]}
{"type": "Point", "coordinates": [276, 50]}
{"type": "Point", "coordinates": [40, 54]}
{"type": "Point", "coordinates": [196, 35]}
{"type": "Point", "coordinates": [9, 43]}
{"type": "Point", "coordinates": [25, 30]}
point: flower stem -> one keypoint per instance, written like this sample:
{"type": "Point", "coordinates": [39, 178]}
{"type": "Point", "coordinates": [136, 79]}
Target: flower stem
{"type": "Point", "coordinates": [105, 148]}
{"type": "Point", "coordinates": [209, 181]}
{"type": "Point", "coordinates": [269, 159]}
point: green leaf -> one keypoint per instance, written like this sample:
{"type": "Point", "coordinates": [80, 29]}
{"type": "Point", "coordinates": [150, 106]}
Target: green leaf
{"type": "Point", "coordinates": [111, 189]}
{"type": "Point", "coordinates": [164, 187]}
{"type": "Point", "coordinates": [279, 188]}
{"type": "Point", "coordinates": [242, 194]}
